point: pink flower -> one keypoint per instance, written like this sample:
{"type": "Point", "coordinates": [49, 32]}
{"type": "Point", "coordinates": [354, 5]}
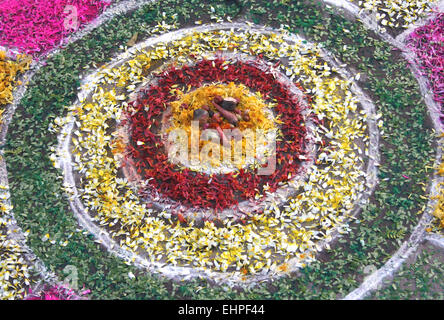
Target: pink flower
{"type": "Point", "coordinates": [57, 292]}
{"type": "Point", "coordinates": [427, 43]}
{"type": "Point", "coordinates": [36, 26]}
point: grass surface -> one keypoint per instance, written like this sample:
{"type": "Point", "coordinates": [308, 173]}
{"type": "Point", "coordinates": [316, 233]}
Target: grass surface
{"type": "Point", "coordinates": [418, 280]}
{"type": "Point", "coordinates": [406, 149]}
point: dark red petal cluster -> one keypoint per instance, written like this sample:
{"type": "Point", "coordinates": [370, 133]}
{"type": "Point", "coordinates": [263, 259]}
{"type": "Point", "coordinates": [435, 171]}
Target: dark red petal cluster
{"type": "Point", "coordinates": [196, 189]}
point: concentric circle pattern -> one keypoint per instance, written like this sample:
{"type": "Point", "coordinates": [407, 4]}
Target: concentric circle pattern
{"type": "Point", "coordinates": [256, 242]}
{"type": "Point", "coordinates": [246, 184]}
{"type": "Point", "coordinates": [161, 149]}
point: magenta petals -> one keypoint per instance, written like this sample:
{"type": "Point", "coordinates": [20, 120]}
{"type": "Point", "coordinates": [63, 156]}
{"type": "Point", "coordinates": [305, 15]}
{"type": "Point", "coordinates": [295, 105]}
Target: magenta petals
{"type": "Point", "coordinates": [36, 26]}
{"type": "Point", "coordinates": [428, 44]}
{"type": "Point", "coordinates": [57, 292]}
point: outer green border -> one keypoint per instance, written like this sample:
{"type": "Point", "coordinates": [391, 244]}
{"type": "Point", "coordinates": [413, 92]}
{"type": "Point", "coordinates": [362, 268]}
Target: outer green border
{"type": "Point", "coordinates": [420, 279]}
{"type": "Point", "coordinates": [406, 149]}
